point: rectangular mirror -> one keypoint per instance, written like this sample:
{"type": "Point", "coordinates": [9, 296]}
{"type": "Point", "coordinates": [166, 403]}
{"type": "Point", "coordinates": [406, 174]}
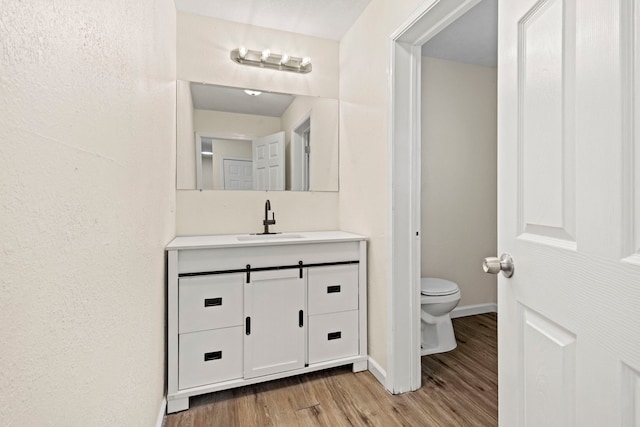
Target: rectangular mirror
{"type": "Point", "coordinates": [237, 139]}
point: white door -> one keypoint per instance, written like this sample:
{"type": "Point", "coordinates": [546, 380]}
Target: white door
{"type": "Point", "coordinates": [275, 322]}
{"type": "Point", "coordinates": [569, 180]}
{"type": "Point", "coordinates": [237, 174]}
{"type": "Point", "coordinates": [268, 162]}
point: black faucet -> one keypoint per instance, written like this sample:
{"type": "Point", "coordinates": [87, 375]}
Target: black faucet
{"type": "Point", "coordinates": [267, 222]}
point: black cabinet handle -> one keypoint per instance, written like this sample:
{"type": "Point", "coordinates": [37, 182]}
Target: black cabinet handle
{"type": "Point", "coordinates": [247, 328]}
{"type": "Point", "coordinates": [334, 335]}
{"type": "Point", "coordinates": [301, 318]}
{"type": "Point", "coordinates": [333, 289]}
{"type": "Point", "coordinates": [212, 302]}
{"type": "Point", "coordinates": [214, 355]}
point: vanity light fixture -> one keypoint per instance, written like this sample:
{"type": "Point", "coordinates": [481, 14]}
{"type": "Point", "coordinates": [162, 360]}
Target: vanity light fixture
{"type": "Point", "coordinates": [267, 59]}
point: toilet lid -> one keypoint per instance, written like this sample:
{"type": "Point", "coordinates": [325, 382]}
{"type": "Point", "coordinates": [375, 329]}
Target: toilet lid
{"type": "Point", "coordinates": [437, 287]}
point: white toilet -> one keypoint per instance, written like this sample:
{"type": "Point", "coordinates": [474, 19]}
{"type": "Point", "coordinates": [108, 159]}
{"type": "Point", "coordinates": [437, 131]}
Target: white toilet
{"type": "Point", "coordinates": [438, 298]}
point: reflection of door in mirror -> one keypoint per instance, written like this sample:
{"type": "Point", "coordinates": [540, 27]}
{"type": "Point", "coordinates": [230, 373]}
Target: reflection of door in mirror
{"type": "Point", "coordinates": [230, 114]}
{"type": "Point", "coordinates": [268, 162]}
{"type": "Point", "coordinates": [211, 152]}
{"type": "Point", "coordinates": [237, 174]}
{"type": "Point", "coordinates": [299, 156]}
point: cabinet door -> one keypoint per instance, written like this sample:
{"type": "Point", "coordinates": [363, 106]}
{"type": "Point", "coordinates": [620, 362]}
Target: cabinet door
{"type": "Point", "coordinates": [209, 302]}
{"type": "Point", "coordinates": [333, 335]}
{"type": "Point", "coordinates": [209, 357]}
{"type": "Point", "coordinates": [275, 322]}
{"type": "Point", "coordinates": [333, 289]}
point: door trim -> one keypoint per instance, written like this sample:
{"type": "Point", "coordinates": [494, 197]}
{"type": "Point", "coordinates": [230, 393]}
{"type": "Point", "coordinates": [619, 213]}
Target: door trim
{"type": "Point", "coordinates": [404, 148]}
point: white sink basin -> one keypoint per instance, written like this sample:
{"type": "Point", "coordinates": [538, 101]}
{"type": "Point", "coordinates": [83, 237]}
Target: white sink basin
{"type": "Point", "coordinates": [269, 237]}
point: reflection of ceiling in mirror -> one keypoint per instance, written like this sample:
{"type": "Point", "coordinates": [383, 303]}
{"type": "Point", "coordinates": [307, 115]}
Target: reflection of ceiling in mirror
{"type": "Point", "coordinates": [234, 100]}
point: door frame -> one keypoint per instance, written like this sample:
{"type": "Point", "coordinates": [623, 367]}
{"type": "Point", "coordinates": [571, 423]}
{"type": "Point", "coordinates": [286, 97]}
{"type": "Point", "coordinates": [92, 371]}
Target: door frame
{"type": "Point", "coordinates": [404, 148]}
{"type": "Point", "coordinates": [303, 169]}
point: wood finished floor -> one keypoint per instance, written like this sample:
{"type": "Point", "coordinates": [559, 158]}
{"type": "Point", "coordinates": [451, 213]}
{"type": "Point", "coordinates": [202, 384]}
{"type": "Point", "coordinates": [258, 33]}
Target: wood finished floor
{"type": "Point", "coordinates": [459, 388]}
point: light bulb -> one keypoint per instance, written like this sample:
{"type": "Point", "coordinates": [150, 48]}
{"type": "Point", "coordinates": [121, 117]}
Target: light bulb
{"type": "Point", "coordinates": [265, 55]}
{"type": "Point", "coordinates": [285, 59]}
{"type": "Point", "coordinates": [242, 52]}
{"type": "Point", "coordinates": [305, 61]}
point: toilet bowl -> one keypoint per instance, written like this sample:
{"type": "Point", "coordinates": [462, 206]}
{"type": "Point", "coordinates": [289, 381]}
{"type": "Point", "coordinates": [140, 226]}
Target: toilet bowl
{"type": "Point", "coordinates": [438, 298]}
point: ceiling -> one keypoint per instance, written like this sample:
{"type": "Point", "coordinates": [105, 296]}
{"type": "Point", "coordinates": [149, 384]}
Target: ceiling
{"type": "Point", "coordinates": [328, 19]}
{"type": "Point", "coordinates": [472, 38]}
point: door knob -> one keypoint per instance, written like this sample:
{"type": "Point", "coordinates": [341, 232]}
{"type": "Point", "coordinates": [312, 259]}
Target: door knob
{"type": "Point", "coordinates": [494, 265]}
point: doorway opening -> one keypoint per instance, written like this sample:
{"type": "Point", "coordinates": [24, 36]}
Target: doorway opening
{"type": "Point", "coordinates": [404, 369]}
{"type": "Point", "coordinates": [458, 173]}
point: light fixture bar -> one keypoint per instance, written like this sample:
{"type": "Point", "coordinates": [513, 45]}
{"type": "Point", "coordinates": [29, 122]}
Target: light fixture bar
{"type": "Point", "coordinates": [268, 59]}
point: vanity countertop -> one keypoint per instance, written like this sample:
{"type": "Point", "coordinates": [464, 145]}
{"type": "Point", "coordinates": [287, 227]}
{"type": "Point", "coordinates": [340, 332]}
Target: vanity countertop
{"type": "Point", "coordinates": [239, 240]}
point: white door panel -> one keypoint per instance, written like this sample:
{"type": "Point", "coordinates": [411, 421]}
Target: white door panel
{"type": "Point", "coordinates": [269, 162]}
{"type": "Point", "coordinates": [569, 340]}
{"type": "Point", "coordinates": [237, 174]}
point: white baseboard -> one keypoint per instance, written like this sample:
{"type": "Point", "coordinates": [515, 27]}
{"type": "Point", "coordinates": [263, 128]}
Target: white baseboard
{"type": "Point", "coordinates": [472, 310]}
{"type": "Point", "coordinates": [377, 371]}
{"type": "Point", "coordinates": [163, 411]}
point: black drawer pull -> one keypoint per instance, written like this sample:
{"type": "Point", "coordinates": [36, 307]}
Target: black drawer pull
{"type": "Point", "coordinates": [212, 302]}
{"type": "Point", "coordinates": [247, 328]}
{"type": "Point", "coordinates": [333, 289]}
{"type": "Point", "coordinates": [334, 335]}
{"type": "Point", "coordinates": [214, 355]}
{"type": "Point", "coordinates": [301, 318]}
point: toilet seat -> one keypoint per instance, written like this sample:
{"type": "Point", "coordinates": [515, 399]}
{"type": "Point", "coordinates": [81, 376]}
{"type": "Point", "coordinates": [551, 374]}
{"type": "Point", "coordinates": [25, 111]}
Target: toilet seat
{"type": "Point", "coordinates": [433, 286]}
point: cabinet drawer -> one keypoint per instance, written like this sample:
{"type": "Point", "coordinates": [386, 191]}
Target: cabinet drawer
{"type": "Point", "coordinates": [210, 356]}
{"type": "Point", "coordinates": [332, 336]}
{"type": "Point", "coordinates": [209, 302]}
{"type": "Point", "coordinates": [333, 289]}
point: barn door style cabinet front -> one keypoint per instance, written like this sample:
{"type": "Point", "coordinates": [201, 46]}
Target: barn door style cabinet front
{"type": "Point", "coordinates": [244, 310]}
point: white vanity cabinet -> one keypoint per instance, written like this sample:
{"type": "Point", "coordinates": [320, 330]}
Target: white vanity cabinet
{"type": "Point", "coordinates": [246, 309]}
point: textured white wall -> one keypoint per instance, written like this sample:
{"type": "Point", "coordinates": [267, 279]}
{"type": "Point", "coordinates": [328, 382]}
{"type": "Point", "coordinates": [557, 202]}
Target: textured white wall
{"type": "Point", "coordinates": [87, 169]}
{"type": "Point", "coordinates": [203, 47]}
{"type": "Point", "coordinates": [364, 153]}
{"type": "Point", "coordinates": [459, 188]}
